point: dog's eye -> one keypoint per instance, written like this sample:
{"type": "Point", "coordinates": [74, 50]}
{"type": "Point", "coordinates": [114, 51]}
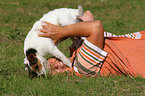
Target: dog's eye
{"type": "Point", "coordinates": [36, 67]}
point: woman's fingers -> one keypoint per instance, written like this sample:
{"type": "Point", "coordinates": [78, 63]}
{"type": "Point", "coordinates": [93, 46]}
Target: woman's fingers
{"type": "Point", "coordinates": [43, 30]}
{"type": "Point", "coordinates": [40, 35]}
{"type": "Point", "coordinates": [46, 22]}
{"type": "Point", "coordinates": [43, 34]}
{"type": "Point", "coordinates": [45, 26]}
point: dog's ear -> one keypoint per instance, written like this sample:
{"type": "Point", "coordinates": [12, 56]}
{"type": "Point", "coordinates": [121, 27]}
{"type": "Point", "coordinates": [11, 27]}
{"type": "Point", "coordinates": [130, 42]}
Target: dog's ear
{"type": "Point", "coordinates": [32, 58]}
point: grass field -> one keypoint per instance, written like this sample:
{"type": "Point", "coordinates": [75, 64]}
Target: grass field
{"type": "Point", "coordinates": [17, 18]}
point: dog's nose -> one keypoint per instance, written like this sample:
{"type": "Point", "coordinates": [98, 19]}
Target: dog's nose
{"type": "Point", "coordinates": [36, 67]}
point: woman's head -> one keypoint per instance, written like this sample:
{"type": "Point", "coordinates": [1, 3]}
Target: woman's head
{"type": "Point", "coordinates": [57, 66]}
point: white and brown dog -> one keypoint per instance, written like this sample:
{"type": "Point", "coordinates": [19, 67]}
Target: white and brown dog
{"type": "Point", "coordinates": [36, 48]}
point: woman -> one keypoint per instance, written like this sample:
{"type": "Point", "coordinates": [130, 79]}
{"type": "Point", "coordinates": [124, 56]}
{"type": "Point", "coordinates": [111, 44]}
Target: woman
{"type": "Point", "coordinates": [98, 55]}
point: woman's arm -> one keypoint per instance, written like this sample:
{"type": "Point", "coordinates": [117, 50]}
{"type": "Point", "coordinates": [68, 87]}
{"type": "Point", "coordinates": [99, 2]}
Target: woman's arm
{"type": "Point", "coordinates": [91, 29]}
{"type": "Point", "coordinates": [87, 16]}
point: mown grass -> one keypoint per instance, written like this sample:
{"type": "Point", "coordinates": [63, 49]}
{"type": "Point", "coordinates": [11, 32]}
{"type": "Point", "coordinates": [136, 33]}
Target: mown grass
{"type": "Point", "coordinates": [17, 18]}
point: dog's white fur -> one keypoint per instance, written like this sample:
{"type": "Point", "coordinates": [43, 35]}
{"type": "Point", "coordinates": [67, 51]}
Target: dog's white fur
{"type": "Point", "coordinates": [44, 46]}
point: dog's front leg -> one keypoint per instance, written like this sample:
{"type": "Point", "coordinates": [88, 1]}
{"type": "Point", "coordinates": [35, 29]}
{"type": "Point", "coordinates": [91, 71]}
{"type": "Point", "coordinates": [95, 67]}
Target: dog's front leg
{"type": "Point", "coordinates": [58, 54]}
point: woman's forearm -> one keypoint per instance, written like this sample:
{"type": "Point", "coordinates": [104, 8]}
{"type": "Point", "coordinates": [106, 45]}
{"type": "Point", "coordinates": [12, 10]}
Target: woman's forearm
{"type": "Point", "coordinates": [93, 30]}
{"type": "Point", "coordinates": [81, 29]}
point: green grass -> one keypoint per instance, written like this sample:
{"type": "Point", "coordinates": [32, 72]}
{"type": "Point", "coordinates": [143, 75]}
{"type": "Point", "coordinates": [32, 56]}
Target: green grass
{"type": "Point", "coordinates": [17, 18]}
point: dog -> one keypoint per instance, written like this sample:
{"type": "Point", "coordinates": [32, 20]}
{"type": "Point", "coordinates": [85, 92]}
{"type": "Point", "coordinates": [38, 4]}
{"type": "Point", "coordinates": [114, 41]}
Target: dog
{"type": "Point", "coordinates": [36, 48]}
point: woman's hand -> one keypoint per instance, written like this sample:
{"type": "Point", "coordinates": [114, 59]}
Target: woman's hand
{"type": "Point", "coordinates": [52, 31]}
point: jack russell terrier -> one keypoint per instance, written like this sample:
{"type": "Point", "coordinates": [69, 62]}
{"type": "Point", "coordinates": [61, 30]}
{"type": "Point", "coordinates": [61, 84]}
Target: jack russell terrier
{"type": "Point", "coordinates": [36, 48]}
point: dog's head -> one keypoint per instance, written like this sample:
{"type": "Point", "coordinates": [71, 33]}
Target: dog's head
{"type": "Point", "coordinates": [34, 65]}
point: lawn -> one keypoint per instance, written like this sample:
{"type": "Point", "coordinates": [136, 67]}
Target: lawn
{"type": "Point", "coordinates": [17, 18]}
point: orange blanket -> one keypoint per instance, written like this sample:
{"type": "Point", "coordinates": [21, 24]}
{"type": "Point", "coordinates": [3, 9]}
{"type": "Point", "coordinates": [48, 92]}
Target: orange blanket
{"type": "Point", "coordinates": [125, 56]}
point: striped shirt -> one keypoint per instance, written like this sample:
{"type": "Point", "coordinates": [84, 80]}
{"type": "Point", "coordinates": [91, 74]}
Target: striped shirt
{"type": "Point", "coordinates": [135, 35]}
{"type": "Point", "coordinates": [89, 59]}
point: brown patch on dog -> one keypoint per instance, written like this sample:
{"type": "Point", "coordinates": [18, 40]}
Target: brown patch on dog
{"type": "Point", "coordinates": [32, 58]}
{"type": "Point", "coordinates": [35, 65]}
{"type": "Point", "coordinates": [34, 62]}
